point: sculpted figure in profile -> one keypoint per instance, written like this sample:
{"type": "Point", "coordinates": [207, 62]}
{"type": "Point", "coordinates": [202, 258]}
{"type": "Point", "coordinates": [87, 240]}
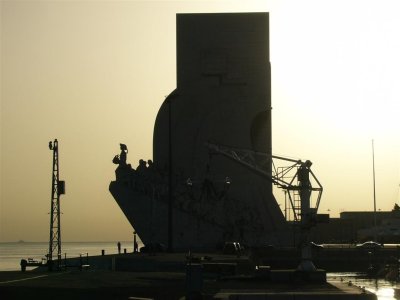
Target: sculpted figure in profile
{"type": "Point", "coordinates": [142, 167]}
{"type": "Point", "coordinates": [121, 158]}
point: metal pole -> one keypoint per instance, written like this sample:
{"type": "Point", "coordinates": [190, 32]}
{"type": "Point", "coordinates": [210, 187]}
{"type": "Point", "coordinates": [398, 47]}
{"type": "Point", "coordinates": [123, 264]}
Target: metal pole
{"type": "Point", "coordinates": [58, 210]}
{"type": "Point", "coordinates": [373, 174]}
{"type": "Point", "coordinates": [50, 254]}
{"type": "Point", "coordinates": [285, 206]}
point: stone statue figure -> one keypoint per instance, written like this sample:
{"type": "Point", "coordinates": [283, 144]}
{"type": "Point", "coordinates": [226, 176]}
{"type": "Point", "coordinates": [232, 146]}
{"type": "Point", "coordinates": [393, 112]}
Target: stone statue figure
{"type": "Point", "coordinates": [121, 158]}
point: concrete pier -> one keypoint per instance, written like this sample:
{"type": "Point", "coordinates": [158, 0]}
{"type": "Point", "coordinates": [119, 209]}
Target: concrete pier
{"type": "Point", "coordinates": [165, 276]}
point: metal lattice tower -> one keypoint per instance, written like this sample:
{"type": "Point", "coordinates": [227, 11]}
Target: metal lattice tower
{"type": "Point", "coordinates": [57, 189]}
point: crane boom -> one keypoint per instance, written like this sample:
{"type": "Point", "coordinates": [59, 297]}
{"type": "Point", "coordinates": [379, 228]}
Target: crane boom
{"type": "Point", "coordinates": [299, 183]}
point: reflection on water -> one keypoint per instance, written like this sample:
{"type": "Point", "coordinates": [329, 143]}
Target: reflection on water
{"type": "Point", "coordinates": [385, 290]}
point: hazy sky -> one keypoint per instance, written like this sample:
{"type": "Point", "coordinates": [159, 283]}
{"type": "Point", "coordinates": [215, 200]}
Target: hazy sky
{"type": "Point", "coordinates": [94, 74]}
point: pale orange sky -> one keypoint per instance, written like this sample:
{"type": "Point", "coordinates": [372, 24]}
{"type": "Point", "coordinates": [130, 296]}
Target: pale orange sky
{"type": "Point", "coordinates": [94, 74]}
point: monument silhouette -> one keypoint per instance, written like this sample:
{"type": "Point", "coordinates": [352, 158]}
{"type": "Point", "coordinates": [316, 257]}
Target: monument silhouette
{"type": "Point", "coordinates": [196, 199]}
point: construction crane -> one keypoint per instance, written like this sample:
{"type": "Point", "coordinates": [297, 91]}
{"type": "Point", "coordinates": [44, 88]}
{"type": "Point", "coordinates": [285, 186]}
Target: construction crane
{"type": "Point", "coordinates": [57, 189]}
{"type": "Point", "coordinates": [295, 179]}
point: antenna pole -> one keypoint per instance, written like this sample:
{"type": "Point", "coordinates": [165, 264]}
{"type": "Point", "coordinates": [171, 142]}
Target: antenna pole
{"type": "Point", "coordinates": [57, 188]}
{"type": "Point", "coordinates": [373, 174]}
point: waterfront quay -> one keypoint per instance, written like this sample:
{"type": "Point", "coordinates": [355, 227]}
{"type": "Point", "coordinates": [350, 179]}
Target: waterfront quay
{"type": "Point", "coordinates": [174, 276]}
{"type": "Point", "coordinates": [343, 258]}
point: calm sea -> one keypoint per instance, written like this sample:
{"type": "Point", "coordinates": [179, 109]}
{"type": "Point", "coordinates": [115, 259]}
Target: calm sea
{"type": "Point", "coordinates": [12, 253]}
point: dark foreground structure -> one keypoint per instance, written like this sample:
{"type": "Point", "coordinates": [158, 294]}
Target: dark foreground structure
{"type": "Point", "coordinates": [176, 276]}
{"type": "Point", "coordinates": [192, 198]}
